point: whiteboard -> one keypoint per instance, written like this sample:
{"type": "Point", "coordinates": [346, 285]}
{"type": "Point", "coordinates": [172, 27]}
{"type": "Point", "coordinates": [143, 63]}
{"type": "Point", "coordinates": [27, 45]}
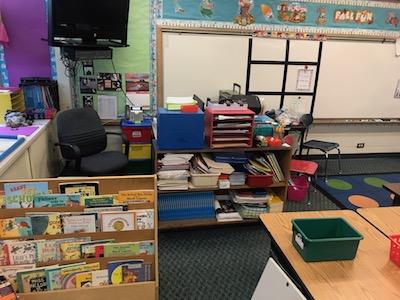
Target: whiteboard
{"type": "Point", "coordinates": [357, 79]}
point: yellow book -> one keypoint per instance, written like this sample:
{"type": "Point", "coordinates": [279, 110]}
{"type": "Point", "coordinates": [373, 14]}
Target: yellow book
{"type": "Point", "coordinates": [135, 196]}
{"type": "Point", "coordinates": [83, 280]}
{"type": "Point", "coordinates": [70, 250]}
{"type": "Point", "coordinates": [68, 274]}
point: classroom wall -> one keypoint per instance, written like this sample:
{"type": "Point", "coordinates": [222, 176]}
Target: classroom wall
{"type": "Point", "coordinates": [27, 54]}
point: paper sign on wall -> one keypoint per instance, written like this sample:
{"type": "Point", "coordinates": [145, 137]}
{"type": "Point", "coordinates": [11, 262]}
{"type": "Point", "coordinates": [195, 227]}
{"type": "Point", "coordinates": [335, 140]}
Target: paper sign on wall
{"type": "Point", "coordinates": [397, 91]}
{"type": "Point", "coordinates": [107, 107]}
{"type": "Point", "coordinates": [304, 77]}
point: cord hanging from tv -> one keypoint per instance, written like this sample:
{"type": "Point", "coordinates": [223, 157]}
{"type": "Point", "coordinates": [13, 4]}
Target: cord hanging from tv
{"type": "Point", "coordinates": [88, 23]}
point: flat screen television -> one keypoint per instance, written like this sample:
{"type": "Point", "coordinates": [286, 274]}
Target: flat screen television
{"type": "Point", "coordinates": [88, 23]}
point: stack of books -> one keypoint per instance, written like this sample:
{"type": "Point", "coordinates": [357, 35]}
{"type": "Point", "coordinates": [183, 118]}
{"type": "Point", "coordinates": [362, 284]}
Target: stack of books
{"type": "Point", "coordinates": [175, 103]}
{"type": "Point", "coordinates": [173, 172]}
{"type": "Point", "coordinates": [265, 165]}
{"type": "Point", "coordinates": [237, 178]}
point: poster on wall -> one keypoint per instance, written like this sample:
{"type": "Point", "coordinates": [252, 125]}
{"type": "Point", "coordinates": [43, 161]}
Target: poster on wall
{"type": "Point", "coordinates": [88, 85]}
{"type": "Point", "coordinates": [109, 82]}
{"type": "Point", "coordinates": [137, 82]}
{"type": "Point", "coordinates": [88, 69]}
{"type": "Point", "coordinates": [87, 101]}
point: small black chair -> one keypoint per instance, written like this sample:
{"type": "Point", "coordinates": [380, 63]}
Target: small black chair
{"type": "Point", "coordinates": [306, 120]}
{"type": "Point", "coordinates": [82, 139]}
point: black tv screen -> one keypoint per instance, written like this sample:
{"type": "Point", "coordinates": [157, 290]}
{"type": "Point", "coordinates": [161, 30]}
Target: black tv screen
{"type": "Point", "coordinates": [88, 23]}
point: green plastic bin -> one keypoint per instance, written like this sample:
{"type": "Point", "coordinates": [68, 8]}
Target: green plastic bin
{"type": "Point", "coordinates": [324, 239]}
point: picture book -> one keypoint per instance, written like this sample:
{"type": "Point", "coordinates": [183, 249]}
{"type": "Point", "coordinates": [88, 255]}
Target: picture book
{"type": "Point", "coordinates": [94, 201]}
{"type": "Point", "coordinates": [10, 273]}
{"type": "Point", "coordinates": [56, 200]}
{"type": "Point", "coordinates": [147, 271]}
{"type": "Point", "coordinates": [82, 188]}
{"type": "Point", "coordinates": [144, 219]}
{"type": "Point", "coordinates": [136, 196]}
{"type": "Point", "coordinates": [3, 253]}
{"type": "Point", "coordinates": [65, 240]}
{"type": "Point", "coordinates": [121, 249]}
{"type": "Point", "coordinates": [21, 252]}
{"type": "Point", "coordinates": [33, 280]}
{"type": "Point", "coordinates": [20, 195]}
{"type": "Point", "coordinates": [88, 250]}
{"type": "Point", "coordinates": [126, 271]}
{"type": "Point", "coordinates": [53, 276]}
{"type": "Point", "coordinates": [100, 278]}
{"type": "Point", "coordinates": [79, 223]}
{"type": "Point", "coordinates": [129, 249]}
{"type": "Point", "coordinates": [83, 280]}
{"type": "Point", "coordinates": [97, 210]}
{"type": "Point", "coordinates": [68, 276]}
{"type": "Point", "coordinates": [15, 227]}
{"type": "Point", "coordinates": [99, 250]}
{"type": "Point", "coordinates": [47, 251]}
{"type": "Point", "coordinates": [117, 221]}
{"type": "Point", "coordinates": [46, 224]}
{"type": "Point", "coordinates": [70, 250]}
{"type": "Point", "coordinates": [2, 200]}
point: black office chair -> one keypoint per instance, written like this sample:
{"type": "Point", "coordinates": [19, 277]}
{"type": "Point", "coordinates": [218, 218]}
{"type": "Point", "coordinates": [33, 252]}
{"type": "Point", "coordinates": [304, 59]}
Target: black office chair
{"type": "Point", "coordinates": [306, 120]}
{"type": "Point", "coordinates": [82, 139]}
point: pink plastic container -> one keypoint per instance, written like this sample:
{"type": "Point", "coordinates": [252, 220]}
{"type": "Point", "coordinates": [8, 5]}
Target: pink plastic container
{"type": "Point", "coordinates": [298, 191]}
{"type": "Point", "coordinates": [395, 249]}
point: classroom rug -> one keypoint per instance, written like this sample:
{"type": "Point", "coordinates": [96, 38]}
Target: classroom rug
{"type": "Point", "coordinates": [357, 191]}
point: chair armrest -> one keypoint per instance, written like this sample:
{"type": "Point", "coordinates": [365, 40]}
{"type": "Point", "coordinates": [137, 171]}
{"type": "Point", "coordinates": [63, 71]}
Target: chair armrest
{"type": "Point", "coordinates": [124, 141]}
{"type": "Point", "coordinates": [74, 148]}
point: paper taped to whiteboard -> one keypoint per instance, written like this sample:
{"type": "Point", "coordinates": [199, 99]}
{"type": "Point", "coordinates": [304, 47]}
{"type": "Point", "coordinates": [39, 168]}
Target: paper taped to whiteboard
{"type": "Point", "coordinates": [304, 77]}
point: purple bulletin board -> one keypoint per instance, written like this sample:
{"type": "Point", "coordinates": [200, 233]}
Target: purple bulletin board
{"type": "Point", "coordinates": [27, 54]}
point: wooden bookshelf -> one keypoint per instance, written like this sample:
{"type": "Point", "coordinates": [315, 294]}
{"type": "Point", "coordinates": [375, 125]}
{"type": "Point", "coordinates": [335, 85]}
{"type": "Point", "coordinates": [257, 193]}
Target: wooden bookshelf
{"type": "Point", "coordinates": [283, 155]}
{"type": "Point", "coordinates": [107, 185]}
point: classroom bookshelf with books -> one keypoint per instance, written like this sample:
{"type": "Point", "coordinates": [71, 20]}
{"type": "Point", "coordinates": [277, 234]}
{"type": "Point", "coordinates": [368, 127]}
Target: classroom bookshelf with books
{"type": "Point", "coordinates": [216, 186]}
{"type": "Point", "coordinates": [90, 238]}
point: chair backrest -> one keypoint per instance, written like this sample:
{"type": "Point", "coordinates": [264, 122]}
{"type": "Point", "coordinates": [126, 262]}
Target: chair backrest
{"type": "Point", "coordinates": [81, 127]}
{"type": "Point", "coordinates": [306, 120]}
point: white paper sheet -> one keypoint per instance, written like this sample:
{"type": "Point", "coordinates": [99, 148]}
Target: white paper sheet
{"type": "Point", "coordinates": [107, 107]}
{"type": "Point", "coordinates": [304, 77]}
{"type": "Point", "coordinates": [139, 99]}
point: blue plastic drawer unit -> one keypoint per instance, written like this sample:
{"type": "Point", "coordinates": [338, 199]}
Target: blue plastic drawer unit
{"type": "Point", "coordinates": [178, 130]}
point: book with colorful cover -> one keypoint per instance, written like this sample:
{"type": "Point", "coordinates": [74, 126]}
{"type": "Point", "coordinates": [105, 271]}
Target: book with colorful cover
{"type": "Point", "coordinates": [21, 252]}
{"type": "Point", "coordinates": [83, 188]}
{"type": "Point", "coordinates": [129, 249]}
{"type": "Point", "coordinates": [15, 227]}
{"type": "Point", "coordinates": [70, 250]}
{"type": "Point", "coordinates": [68, 276]}
{"type": "Point", "coordinates": [136, 196]}
{"type": "Point", "coordinates": [4, 260]}
{"type": "Point", "coordinates": [83, 280]}
{"type": "Point", "coordinates": [100, 278]}
{"type": "Point", "coordinates": [147, 272]}
{"type": "Point", "coordinates": [2, 200]}
{"type": "Point", "coordinates": [98, 200]}
{"type": "Point", "coordinates": [144, 219]}
{"type": "Point", "coordinates": [10, 273]}
{"type": "Point", "coordinates": [79, 223]}
{"type": "Point", "coordinates": [47, 251]}
{"type": "Point", "coordinates": [117, 221]}
{"type": "Point", "coordinates": [46, 224]}
{"type": "Point", "coordinates": [20, 195]}
{"type": "Point", "coordinates": [88, 250]}
{"type": "Point", "coordinates": [126, 271]}
{"type": "Point", "coordinates": [33, 280]}
{"type": "Point", "coordinates": [121, 249]}
{"type": "Point", "coordinates": [66, 240]}
{"type": "Point", "coordinates": [56, 200]}
{"type": "Point", "coordinates": [53, 276]}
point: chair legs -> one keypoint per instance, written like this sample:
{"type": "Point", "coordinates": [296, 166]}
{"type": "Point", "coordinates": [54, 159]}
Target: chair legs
{"type": "Point", "coordinates": [326, 166]}
{"type": "Point", "coordinates": [339, 161]}
{"type": "Point", "coordinates": [308, 192]}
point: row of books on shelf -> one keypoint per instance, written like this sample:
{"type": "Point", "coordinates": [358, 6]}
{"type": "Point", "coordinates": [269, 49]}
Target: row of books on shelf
{"type": "Point", "coordinates": [186, 171]}
{"type": "Point", "coordinates": [105, 219]}
{"type": "Point", "coordinates": [27, 278]}
{"type": "Point", "coordinates": [37, 194]}
{"type": "Point", "coordinates": [20, 252]}
{"type": "Point", "coordinates": [246, 204]}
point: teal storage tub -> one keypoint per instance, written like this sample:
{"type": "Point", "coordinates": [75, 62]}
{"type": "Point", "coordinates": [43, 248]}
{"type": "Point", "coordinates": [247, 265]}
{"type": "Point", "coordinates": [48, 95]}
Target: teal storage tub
{"type": "Point", "coordinates": [325, 239]}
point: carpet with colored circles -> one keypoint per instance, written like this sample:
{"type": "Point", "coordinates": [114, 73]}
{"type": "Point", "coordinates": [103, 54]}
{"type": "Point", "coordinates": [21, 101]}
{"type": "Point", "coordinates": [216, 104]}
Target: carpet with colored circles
{"type": "Point", "coordinates": [357, 191]}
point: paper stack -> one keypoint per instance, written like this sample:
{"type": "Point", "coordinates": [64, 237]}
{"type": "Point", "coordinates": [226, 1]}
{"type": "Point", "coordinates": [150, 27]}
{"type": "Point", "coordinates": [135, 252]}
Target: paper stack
{"type": "Point", "coordinates": [175, 103]}
{"type": "Point", "coordinates": [224, 209]}
{"type": "Point", "coordinates": [251, 203]}
{"type": "Point", "coordinates": [237, 178]}
{"type": "Point", "coordinates": [211, 166]}
{"type": "Point", "coordinates": [275, 204]}
{"type": "Point", "coordinates": [173, 172]}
